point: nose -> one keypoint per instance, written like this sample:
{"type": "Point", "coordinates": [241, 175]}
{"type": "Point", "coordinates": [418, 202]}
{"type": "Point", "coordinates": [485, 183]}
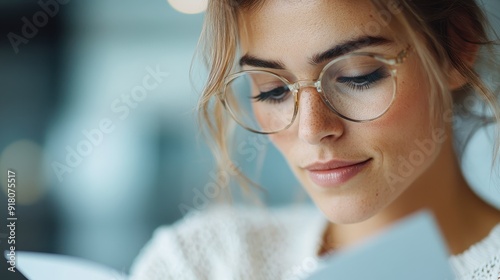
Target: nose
{"type": "Point", "coordinates": [316, 122]}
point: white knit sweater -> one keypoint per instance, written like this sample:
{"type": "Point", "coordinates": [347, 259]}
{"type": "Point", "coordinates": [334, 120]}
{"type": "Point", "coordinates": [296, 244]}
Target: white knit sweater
{"type": "Point", "coordinates": [225, 243]}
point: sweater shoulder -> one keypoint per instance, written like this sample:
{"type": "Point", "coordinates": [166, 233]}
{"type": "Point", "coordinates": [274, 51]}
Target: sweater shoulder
{"type": "Point", "coordinates": [481, 260]}
{"type": "Point", "coordinates": [223, 241]}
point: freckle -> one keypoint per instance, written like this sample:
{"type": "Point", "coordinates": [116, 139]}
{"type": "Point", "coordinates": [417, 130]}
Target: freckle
{"type": "Point", "coordinates": [376, 194]}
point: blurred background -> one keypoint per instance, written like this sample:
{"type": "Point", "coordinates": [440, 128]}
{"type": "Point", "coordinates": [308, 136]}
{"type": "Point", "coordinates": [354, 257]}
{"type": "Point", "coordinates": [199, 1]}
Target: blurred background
{"type": "Point", "coordinates": [99, 193]}
{"type": "Point", "coordinates": [97, 118]}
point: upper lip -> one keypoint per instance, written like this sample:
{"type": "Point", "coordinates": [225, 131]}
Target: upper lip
{"type": "Point", "coordinates": [332, 164]}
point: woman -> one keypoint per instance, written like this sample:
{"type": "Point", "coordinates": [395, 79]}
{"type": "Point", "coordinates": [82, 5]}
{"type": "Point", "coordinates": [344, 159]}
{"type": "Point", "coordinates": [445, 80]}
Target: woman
{"type": "Point", "coordinates": [358, 96]}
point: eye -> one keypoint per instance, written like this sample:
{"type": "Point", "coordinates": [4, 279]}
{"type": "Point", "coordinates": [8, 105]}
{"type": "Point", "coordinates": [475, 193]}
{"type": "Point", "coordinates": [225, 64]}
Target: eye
{"type": "Point", "coordinates": [363, 82]}
{"type": "Point", "coordinates": [275, 95]}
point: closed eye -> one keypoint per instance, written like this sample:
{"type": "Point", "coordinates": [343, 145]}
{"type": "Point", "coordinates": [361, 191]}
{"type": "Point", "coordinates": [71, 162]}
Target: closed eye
{"type": "Point", "coordinates": [276, 95]}
{"type": "Point", "coordinates": [365, 81]}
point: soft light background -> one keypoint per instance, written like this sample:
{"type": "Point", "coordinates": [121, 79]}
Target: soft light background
{"type": "Point", "coordinates": [153, 163]}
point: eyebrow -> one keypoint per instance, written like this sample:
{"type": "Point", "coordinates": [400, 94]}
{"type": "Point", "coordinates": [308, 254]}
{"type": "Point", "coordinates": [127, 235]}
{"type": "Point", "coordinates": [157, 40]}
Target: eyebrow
{"type": "Point", "coordinates": [251, 60]}
{"type": "Point", "coordinates": [347, 47]}
{"type": "Point", "coordinates": [335, 51]}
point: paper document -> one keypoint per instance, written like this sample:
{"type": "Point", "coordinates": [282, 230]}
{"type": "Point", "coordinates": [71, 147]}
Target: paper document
{"type": "Point", "coordinates": [42, 266]}
{"type": "Point", "coordinates": [411, 249]}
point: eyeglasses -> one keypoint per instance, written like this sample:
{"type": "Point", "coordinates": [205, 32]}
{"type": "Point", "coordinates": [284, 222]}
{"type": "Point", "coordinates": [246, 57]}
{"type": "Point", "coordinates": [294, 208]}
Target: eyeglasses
{"type": "Point", "coordinates": [358, 87]}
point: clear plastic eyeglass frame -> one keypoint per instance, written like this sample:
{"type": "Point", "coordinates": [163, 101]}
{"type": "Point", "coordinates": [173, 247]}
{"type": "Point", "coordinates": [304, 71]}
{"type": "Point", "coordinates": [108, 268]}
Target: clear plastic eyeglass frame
{"type": "Point", "coordinates": [295, 87]}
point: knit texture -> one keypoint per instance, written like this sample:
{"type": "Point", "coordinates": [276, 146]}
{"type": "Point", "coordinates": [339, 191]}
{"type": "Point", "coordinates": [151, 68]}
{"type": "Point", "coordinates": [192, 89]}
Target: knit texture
{"type": "Point", "coordinates": [253, 243]}
{"type": "Point", "coordinates": [481, 260]}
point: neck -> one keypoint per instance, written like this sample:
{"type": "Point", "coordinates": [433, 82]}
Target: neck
{"type": "Point", "coordinates": [463, 218]}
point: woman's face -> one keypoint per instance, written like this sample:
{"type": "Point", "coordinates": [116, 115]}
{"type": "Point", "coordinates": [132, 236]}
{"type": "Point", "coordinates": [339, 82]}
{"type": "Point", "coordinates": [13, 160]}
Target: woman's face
{"type": "Point", "coordinates": [383, 152]}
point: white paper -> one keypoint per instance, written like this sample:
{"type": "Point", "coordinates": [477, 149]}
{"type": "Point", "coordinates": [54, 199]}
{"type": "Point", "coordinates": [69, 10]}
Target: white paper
{"type": "Point", "coordinates": [412, 249]}
{"type": "Point", "coordinates": [43, 266]}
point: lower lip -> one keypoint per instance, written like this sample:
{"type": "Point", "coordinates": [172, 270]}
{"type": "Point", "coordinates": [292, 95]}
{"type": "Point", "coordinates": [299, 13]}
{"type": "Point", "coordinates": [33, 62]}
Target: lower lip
{"type": "Point", "coordinates": [336, 177]}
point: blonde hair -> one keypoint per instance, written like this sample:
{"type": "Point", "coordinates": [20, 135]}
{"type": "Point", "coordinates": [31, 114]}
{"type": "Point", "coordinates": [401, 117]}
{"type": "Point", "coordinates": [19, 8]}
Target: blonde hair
{"type": "Point", "coordinates": [435, 29]}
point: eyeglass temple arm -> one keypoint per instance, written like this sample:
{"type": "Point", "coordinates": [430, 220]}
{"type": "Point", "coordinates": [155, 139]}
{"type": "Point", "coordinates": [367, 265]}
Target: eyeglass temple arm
{"type": "Point", "coordinates": [400, 58]}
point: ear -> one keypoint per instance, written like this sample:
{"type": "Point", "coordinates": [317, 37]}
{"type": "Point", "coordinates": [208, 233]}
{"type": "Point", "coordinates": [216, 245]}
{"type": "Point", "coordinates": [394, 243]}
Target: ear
{"type": "Point", "coordinates": [462, 49]}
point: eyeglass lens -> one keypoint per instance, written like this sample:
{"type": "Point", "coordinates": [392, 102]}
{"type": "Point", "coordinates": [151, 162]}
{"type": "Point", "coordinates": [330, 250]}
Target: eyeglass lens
{"type": "Point", "coordinates": [357, 87]}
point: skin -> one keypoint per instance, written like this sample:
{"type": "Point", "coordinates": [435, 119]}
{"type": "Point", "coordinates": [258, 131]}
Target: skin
{"type": "Point", "coordinates": [367, 202]}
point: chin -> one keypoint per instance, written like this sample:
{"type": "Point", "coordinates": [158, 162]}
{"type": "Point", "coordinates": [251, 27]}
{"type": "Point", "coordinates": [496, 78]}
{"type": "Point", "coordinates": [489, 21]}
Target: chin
{"type": "Point", "coordinates": [347, 216]}
{"type": "Point", "coordinates": [352, 208]}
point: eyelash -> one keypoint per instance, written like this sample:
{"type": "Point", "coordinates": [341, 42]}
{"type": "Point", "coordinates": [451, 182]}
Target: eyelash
{"type": "Point", "coordinates": [267, 96]}
{"type": "Point", "coordinates": [370, 78]}
{"type": "Point", "coordinates": [368, 81]}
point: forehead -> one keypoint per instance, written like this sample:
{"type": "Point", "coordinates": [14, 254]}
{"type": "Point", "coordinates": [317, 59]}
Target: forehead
{"type": "Point", "coordinates": [292, 31]}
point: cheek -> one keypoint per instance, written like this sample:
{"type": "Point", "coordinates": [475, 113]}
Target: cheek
{"type": "Point", "coordinates": [283, 142]}
{"type": "Point", "coordinates": [286, 143]}
{"type": "Point", "coordinates": [273, 117]}
{"type": "Point", "coordinates": [404, 128]}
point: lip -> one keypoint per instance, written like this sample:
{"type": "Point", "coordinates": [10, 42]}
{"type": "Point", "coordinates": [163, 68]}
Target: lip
{"type": "Point", "coordinates": [334, 173]}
